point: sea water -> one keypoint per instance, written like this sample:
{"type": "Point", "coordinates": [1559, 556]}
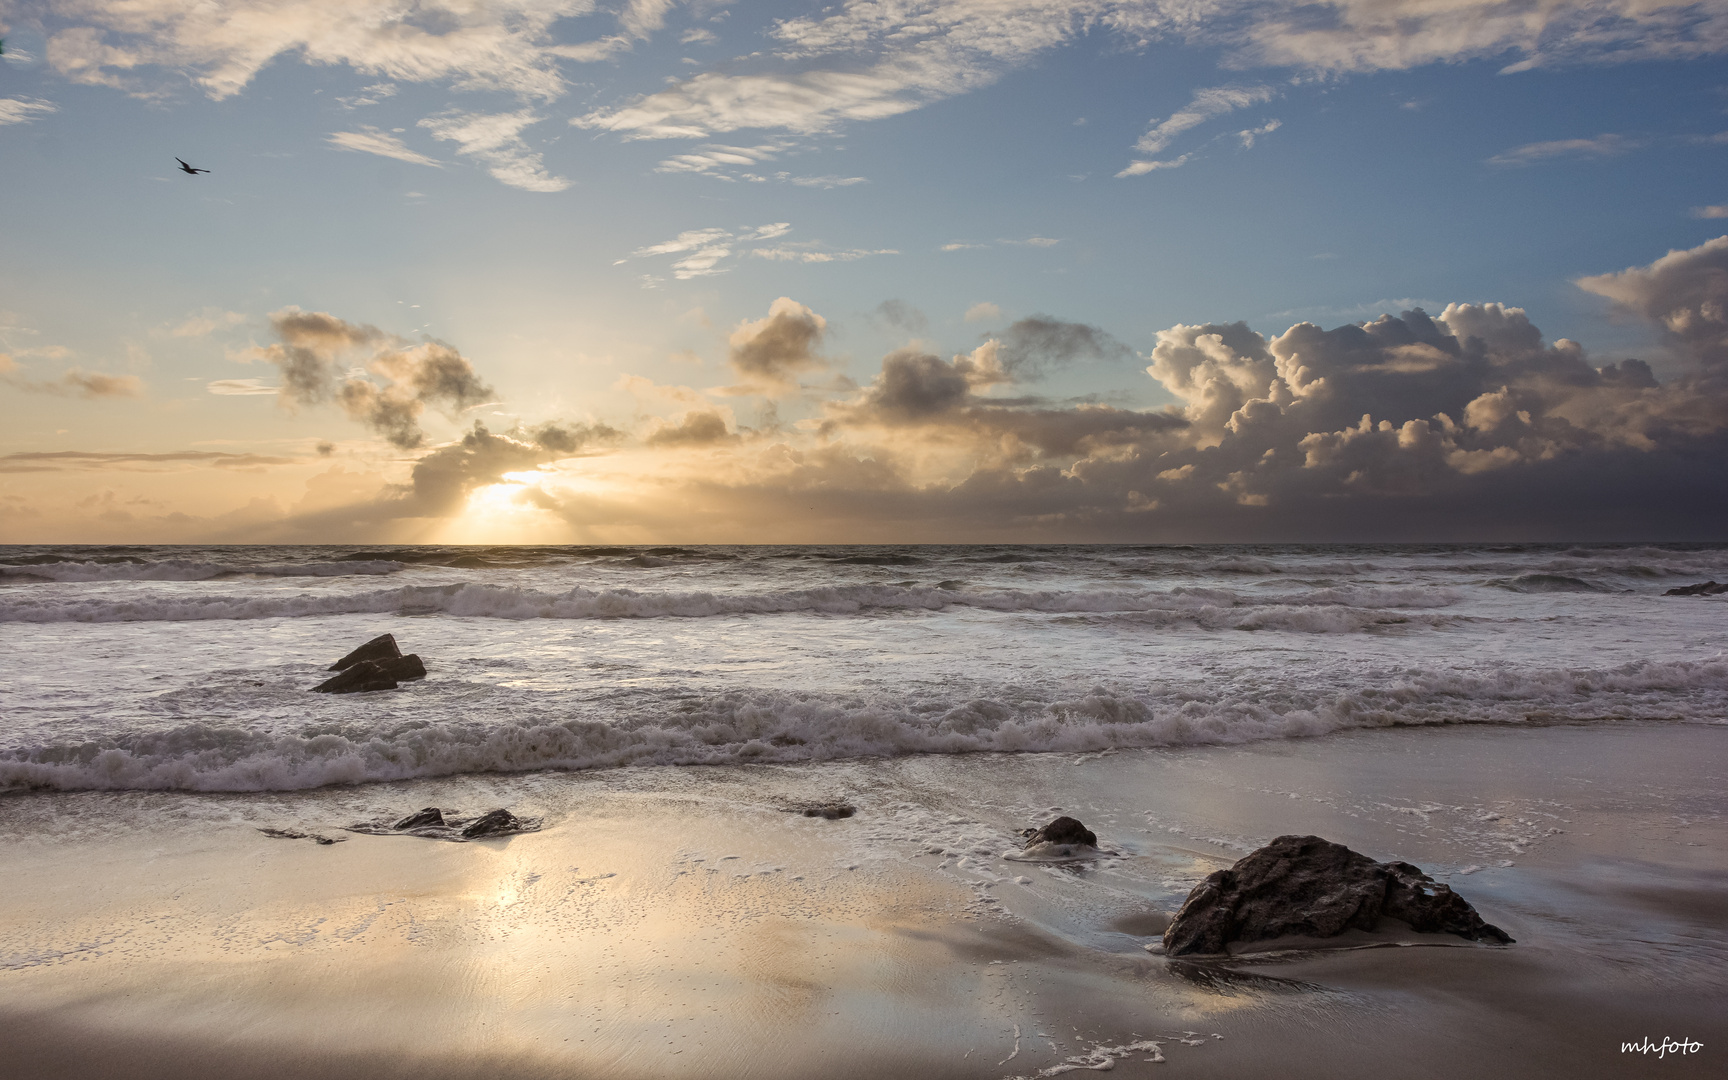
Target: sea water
{"type": "Point", "coordinates": [191, 668]}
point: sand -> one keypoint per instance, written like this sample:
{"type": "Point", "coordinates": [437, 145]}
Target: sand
{"type": "Point", "coordinates": [679, 923]}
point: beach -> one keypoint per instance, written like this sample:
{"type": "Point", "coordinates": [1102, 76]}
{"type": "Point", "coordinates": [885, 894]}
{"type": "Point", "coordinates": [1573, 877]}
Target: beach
{"type": "Point", "coordinates": [680, 922]}
{"type": "Point", "coordinates": [1538, 727]}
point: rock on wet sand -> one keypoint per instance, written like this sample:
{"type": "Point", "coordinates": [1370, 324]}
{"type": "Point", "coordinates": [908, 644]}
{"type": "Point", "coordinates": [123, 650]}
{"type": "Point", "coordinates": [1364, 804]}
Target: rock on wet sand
{"type": "Point", "coordinates": [1305, 886]}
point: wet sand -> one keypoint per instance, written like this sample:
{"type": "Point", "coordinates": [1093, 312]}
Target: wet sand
{"type": "Point", "coordinates": [678, 923]}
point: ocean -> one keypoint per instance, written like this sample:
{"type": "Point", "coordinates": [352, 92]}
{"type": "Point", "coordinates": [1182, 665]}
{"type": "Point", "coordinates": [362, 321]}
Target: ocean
{"type": "Point", "coordinates": [190, 668]}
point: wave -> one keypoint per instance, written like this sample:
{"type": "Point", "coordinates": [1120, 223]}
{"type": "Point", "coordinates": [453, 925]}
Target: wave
{"type": "Point", "coordinates": [500, 602]}
{"type": "Point", "coordinates": [1552, 583]}
{"type": "Point", "coordinates": [188, 570]}
{"type": "Point", "coordinates": [676, 727]}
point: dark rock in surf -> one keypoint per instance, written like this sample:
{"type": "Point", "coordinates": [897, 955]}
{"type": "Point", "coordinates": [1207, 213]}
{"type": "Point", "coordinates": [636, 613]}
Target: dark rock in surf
{"type": "Point", "coordinates": [382, 647]}
{"type": "Point", "coordinates": [296, 834]}
{"type": "Point", "coordinates": [1309, 887]}
{"type": "Point", "coordinates": [832, 811]}
{"type": "Point", "coordinates": [1063, 830]}
{"type": "Point", "coordinates": [1707, 588]}
{"type": "Point", "coordinates": [492, 824]}
{"type": "Point", "coordinates": [360, 678]}
{"type": "Point", "coordinates": [420, 819]}
{"type": "Point", "coordinates": [403, 668]}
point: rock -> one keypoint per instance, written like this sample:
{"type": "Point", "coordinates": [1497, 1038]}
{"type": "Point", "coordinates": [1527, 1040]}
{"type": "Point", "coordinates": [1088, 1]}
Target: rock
{"type": "Point", "coordinates": [1708, 588]}
{"type": "Point", "coordinates": [1309, 887]}
{"type": "Point", "coordinates": [403, 668]}
{"type": "Point", "coordinates": [1063, 830]}
{"type": "Point", "coordinates": [382, 647]}
{"type": "Point", "coordinates": [491, 824]}
{"type": "Point", "coordinates": [420, 819]}
{"type": "Point", "coordinates": [358, 678]}
{"type": "Point", "coordinates": [832, 811]}
{"type": "Point", "coordinates": [296, 834]}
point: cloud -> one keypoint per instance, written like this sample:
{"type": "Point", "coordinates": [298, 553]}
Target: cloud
{"type": "Point", "coordinates": [701, 428]}
{"type": "Point", "coordinates": [20, 110]}
{"type": "Point", "coordinates": [241, 387]}
{"type": "Point", "coordinates": [701, 251]}
{"type": "Point", "coordinates": [1031, 347]}
{"type": "Point", "coordinates": [1206, 105]}
{"type": "Point", "coordinates": [811, 252]}
{"type": "Point", "coordinates": [389, 393]}
{"type": "Point", "coordinates": [1710, 211]}
{"type": "Point", "coordinates": [1684, 294]}
{"type": "Point", "coordinates": [443, 478]}
{"type": "Point", "coordinates": [207, 323]}
{"type": "Point", "coordinates": [57, 460]}
{"type": "Point", "coordinates": [369, 140]}
{"type": "Point", "coordinates": [75, 383]}
{"type": "Point", "coordinates": [496, 141]}
{"type": "Point", "coordinates": [769, 354]}
{"type": "Point", "coordinates": [983, 311]}
{"type": "Point", "coordinates": [1601, 146]}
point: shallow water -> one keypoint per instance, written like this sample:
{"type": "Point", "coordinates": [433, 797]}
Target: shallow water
{"type": "Point", "coordinates": [189, 668]}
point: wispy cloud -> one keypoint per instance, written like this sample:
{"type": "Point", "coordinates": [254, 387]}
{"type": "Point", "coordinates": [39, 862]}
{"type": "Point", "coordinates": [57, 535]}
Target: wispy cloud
{"type": "Point", "coordinates": [495, 140]}
{"type": "Point", "coordinates": [1710, 211]}
{"type": "Point", "coordinates": [1602, 146]}
{"type": "Point", "coordinates": [1207, 104]}
{"type": "Point", "coordinates": [369, 140]}
{"type": "Point", "coordinates": [701, 251]}
{"type": "Point", "coordinates": [20, 110]}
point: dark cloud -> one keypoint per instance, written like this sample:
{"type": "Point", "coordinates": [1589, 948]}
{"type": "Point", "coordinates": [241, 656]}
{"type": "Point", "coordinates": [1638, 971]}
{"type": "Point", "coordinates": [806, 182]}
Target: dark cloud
{"type": "Point", "coordinates": [443, 478]}
{"type": "Point", "coordinates": [399, 380]}
{"type": "Point", "coordinates": [1685, 294]}
{"type": "Point", "coordinates": [769, 354]}
{"type": "Point", "coordinates": [899, 315]}
{"type": "Point", "coordinates": [76, 383]}
{"type": "Point", "coordinates": [1032, 347]}
{"type": "Point", "coordinates": [702, 428]}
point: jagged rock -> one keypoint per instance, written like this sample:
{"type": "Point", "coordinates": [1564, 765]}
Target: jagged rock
{"type": "Point", "coordinates": [490, 824]}
{"type": "Point", "coordinates": [382, 647]}
{"type": "Point", "coordinates": [420, 819]}
{"type": "Point", "coordinates": [1309, 887]}
{"type": "Point", "coordinates": [403, 668]}
{"type": "Point", "coordinates": [832, 811]}
{"type": "Point", "coordinates": [1708, 588]}
{"type": "Point", "coordinates": [1063, 830]}
{"type": "Point", "coordinates": [358, 678]}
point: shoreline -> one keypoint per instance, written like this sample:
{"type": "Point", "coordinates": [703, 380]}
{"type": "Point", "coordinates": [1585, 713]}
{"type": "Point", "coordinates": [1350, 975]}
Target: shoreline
{"type": "Point", "coordinates": [677, 922]}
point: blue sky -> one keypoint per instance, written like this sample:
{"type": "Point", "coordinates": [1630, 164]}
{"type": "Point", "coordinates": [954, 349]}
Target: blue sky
{"type": "Point", "coordinates": [597, 209]}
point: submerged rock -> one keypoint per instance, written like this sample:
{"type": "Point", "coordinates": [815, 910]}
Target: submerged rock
{"type": "Point", "coordinates": [358, 678]}
{"type": "Point", "coordinates": [420, 819]}
{"type": "Point", "coordinates": [1309, 887]}
{"type": "Point", "coordinates": [833, 811]}
{"type": "Point", "coordinates": [1707, 588]}
{"type": "Point", "coordinates": [382, 647]}
{"type": "Point", "coordinates": [296, 834]}
{"type": "Point", "coordinates": [493, 823]}
{"type": "Point", "coordinates": [1063, 830]}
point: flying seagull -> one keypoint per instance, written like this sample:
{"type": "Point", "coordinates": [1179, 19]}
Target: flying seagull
{"type": "Point", "coordinates": [189, 170]}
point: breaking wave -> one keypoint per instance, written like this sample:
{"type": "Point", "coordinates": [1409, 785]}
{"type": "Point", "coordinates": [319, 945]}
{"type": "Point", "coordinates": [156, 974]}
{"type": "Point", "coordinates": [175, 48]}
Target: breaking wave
{"type": "Point", "coordinates": [558, 732]}
{"type": "Point", "coordinates": [499, 602]}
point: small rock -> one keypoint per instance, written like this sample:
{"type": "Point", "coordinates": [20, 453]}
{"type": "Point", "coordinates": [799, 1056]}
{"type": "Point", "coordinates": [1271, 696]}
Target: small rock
{"type": "Point", "coordinates": [382, 647]}
{"type": "Point", "coordinates": [420, 819]}
{"type": "Point", "coordinates": [362, 677]}
{"type": "Point", "coordinates": [1063, 830]}
{"type": "Point", "coordinates": [491, 824]}
{"type": "Point", "coordinates": [296, 834]}
{"type": "Point", "coordinates": [1309, 887]}
{"type": "Point", "coordinates": [1708, 588]}
{"type": "Point", "coordinates": [832, 811]}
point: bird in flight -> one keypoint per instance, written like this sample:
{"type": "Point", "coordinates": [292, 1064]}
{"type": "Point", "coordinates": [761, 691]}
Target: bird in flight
{"type": "Point", "coordinates": [189, 170]}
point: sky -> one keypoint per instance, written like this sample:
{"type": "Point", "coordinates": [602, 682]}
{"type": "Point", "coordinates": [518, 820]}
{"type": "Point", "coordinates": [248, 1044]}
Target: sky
{"type": "Point", "coordinates": [879, 271]}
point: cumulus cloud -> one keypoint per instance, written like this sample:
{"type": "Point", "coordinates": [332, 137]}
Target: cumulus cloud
{"type": "Point", "coordinates": [496, 141]}
{"type": "Point", "coordinates": [369, 140]}
{"type": "Point", "coordinates": [391, 389]}
{"type": "Point", "coordinates": [706, 427]}
{"type": "Point", "coordinates": [443, 478]}
{"type": "Point", "coordinates": [1685, 294]}
{"type": "Point", "coordinates": [1029, 348]}
{"type": "Point", "coordinates": [769, 354]}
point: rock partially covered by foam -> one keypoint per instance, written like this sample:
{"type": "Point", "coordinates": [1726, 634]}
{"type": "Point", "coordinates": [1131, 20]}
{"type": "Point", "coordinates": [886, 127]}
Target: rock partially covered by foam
{"type": "Point", "coordinates": [1064, 831]}
{"type": "Point", "coordinates": [382, 647]}
{"type": "Point", "coordinates": [420, 819]}
{"type": "Point", "coordinates": [1707, 588]}
{"type": "Point", "coordinates": [833, 811]}
{"type": "Point", "coordinates": [360, 678]}
{"type": "Point", "coordinates": [1304, 886]}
